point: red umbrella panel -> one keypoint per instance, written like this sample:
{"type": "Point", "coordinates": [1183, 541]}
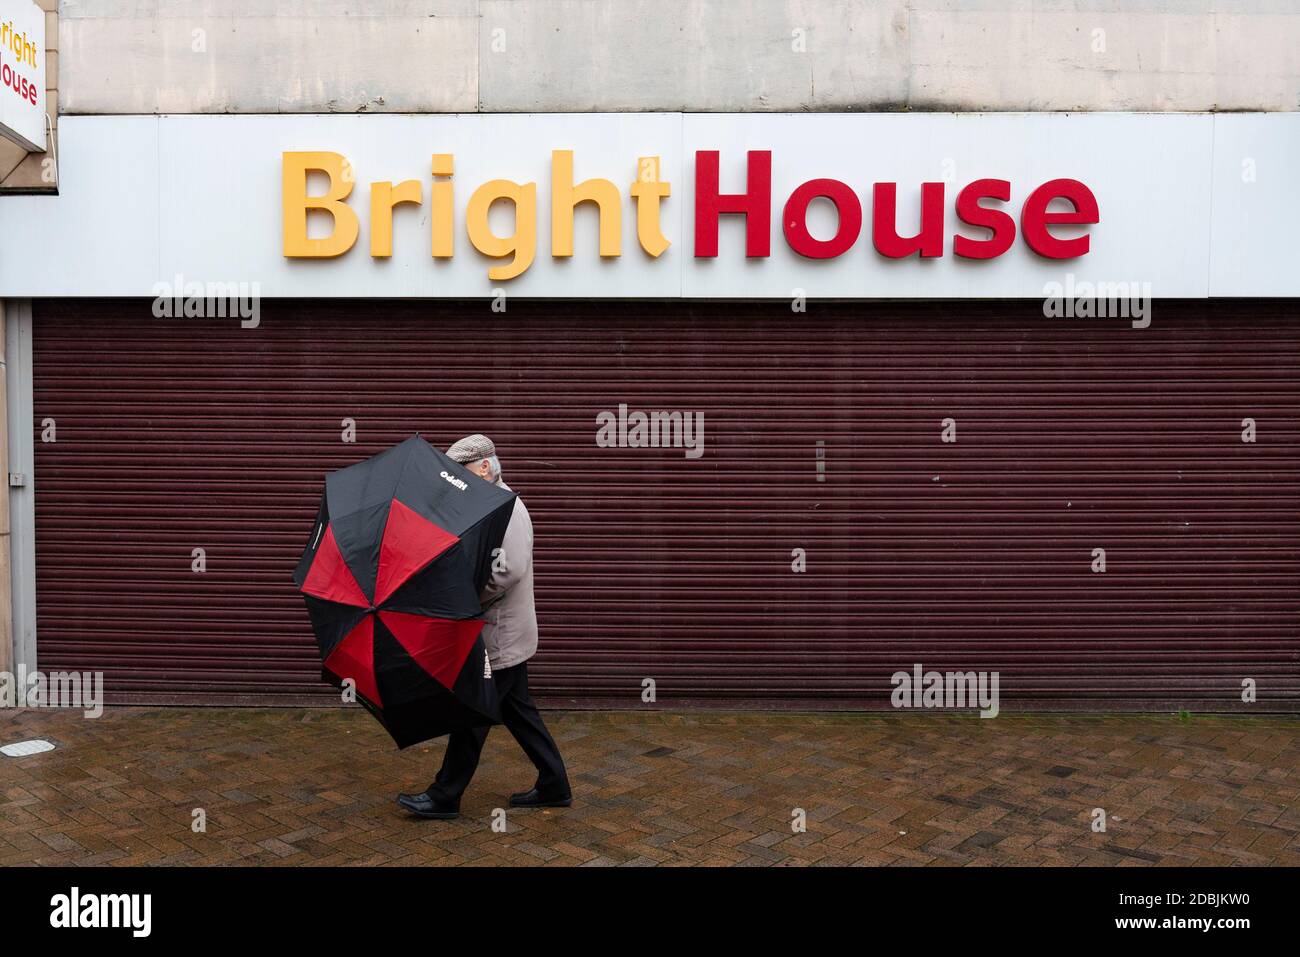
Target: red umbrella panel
{"type": "Point", "coordinates": [402, 547]}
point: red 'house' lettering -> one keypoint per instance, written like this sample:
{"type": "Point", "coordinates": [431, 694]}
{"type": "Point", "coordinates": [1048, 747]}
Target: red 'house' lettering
{"type": "Point", "coordinates": [795, 220]}
{"type": "Point", "coordinates": [755, 204]}
{"type": "Point", "coordinates": [1034, 218]}
{"type": "Point", "coordinates": [884, 225]}
{"type": "Point", "coordinates": [1001, 226]}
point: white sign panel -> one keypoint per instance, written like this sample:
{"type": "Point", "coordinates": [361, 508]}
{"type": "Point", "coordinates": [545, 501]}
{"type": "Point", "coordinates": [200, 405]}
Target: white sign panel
{"type": "Point", "coordinates": [665, 205]}
{"type": "Point", "coordinates": [22, 73]}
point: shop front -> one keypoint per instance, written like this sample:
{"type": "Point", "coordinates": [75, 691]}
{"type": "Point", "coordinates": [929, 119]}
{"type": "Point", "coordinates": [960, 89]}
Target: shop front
{"type": "Point", "coordinates": [797, 403]}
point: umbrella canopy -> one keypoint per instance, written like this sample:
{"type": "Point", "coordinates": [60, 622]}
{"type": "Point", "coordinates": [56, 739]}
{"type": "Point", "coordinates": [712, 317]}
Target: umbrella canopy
{"type": "Point", "coordinates": [401, 550]}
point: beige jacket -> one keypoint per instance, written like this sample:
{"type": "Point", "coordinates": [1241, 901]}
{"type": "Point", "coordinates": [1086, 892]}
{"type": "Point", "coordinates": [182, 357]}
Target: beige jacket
{"type": "Point", "coordinates": [510, 632]}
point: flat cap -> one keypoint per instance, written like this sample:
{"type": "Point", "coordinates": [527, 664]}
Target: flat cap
{"type": "Point", "coordinates": [471, 448]}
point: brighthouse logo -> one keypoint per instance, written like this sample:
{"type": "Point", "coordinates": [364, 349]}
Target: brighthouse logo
{"type": "Point", "coordinates": [22, 53]}
{"type": "Point", "coordinates": [454, 481]}
{"type": "Point", "coordinates": [74, 909]}
{"type": "Point", "coordinates": [757, 205]}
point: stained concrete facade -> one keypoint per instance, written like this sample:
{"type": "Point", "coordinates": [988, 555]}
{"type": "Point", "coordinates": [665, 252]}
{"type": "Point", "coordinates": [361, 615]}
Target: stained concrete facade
{"type": "Point", "coordinates": [270, 56]}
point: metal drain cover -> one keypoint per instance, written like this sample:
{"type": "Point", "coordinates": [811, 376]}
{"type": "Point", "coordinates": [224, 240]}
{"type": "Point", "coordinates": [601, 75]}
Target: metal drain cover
{"type": "Point", "coordinates": [24, 748]}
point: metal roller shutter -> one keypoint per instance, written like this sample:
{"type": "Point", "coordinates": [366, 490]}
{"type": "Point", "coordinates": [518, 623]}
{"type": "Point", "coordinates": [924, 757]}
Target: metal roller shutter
{"type": "Point", "coordinates": [1071, 435]}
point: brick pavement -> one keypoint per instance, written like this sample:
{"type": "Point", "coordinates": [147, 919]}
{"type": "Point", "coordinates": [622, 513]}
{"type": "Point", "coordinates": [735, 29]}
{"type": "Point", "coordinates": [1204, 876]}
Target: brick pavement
{"type": "Point", "coordinates": [316, 787]}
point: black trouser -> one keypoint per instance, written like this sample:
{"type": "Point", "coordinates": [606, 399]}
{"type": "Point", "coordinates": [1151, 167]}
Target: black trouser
{"type": "Point", "coordinates": [522, 719]}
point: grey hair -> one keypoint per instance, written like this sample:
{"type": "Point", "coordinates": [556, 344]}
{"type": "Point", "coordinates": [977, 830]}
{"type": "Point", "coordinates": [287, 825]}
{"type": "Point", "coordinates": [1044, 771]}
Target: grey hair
{"type": "Point", "coordinates": [494, 468]}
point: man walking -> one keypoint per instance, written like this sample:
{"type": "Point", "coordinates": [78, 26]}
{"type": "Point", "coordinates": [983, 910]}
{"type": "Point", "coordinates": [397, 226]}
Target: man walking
{"type": "Point", "coordinates": [510, 634]}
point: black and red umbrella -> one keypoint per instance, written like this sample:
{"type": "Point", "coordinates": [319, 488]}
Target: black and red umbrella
{"type": "Point", "coordinates": [401, 550]}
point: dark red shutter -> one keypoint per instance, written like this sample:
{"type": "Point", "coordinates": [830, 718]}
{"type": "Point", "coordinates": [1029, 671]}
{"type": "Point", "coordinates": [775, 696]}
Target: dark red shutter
{"type": "Point", "coordinates": [1072, 435]}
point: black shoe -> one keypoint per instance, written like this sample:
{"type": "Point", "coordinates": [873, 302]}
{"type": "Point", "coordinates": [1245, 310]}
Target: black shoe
{"type": "Point", "coordinates": [421, 805]}
{"type": "Point", "coordinates": [534, 798]}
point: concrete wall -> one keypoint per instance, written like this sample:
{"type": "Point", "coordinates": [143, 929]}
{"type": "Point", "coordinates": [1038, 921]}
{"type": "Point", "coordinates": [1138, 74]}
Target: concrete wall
{"type": "Point", "coordinates": [268, 56]}
{"type": "Point", "coordinates": [18, 508]}
{"type": "Point", "coordinates": [7, 652]}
